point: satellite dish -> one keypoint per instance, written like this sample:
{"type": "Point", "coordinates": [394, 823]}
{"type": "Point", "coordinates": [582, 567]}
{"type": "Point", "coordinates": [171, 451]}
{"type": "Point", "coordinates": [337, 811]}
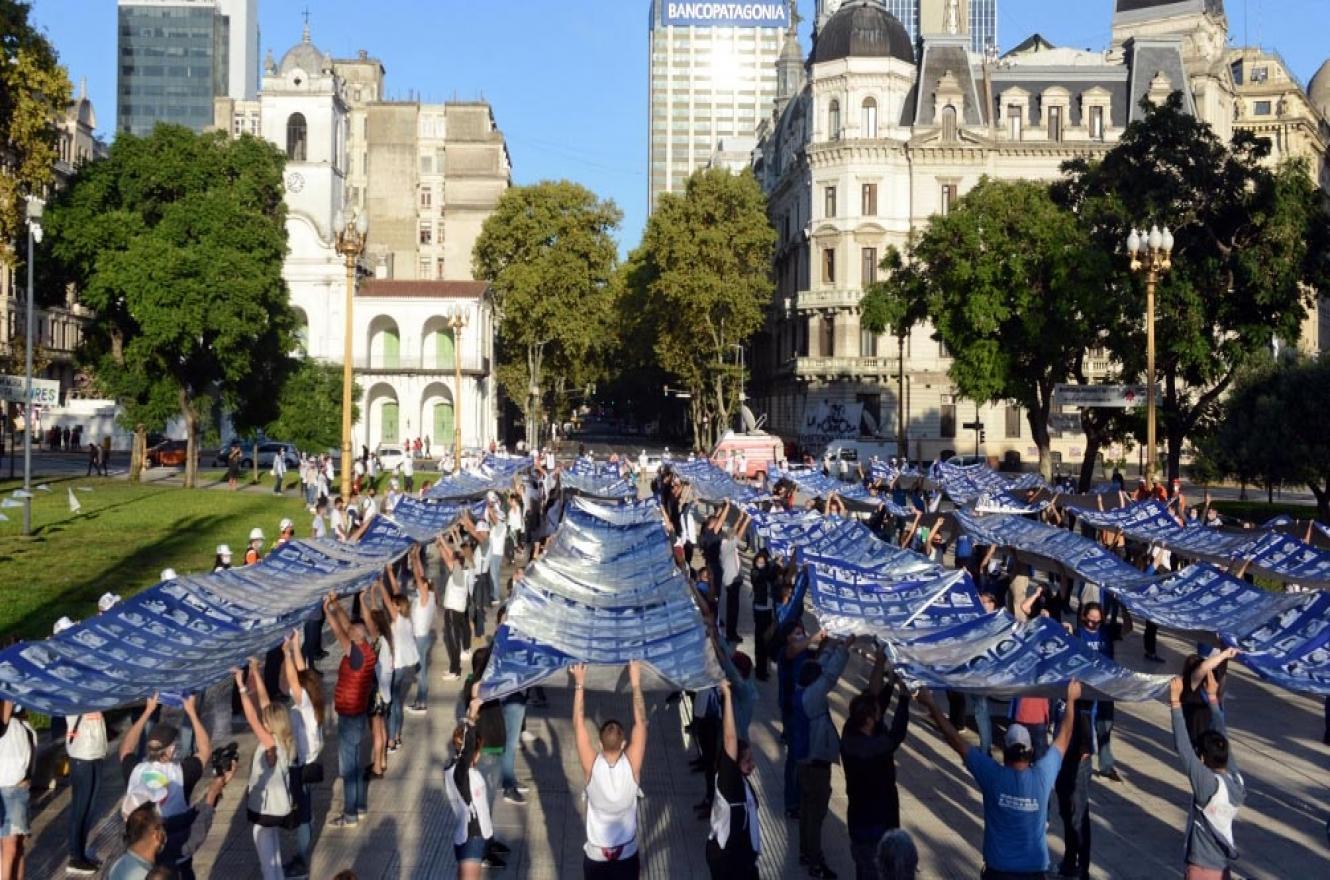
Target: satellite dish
{"type": "Point", "coordinates": [870, 423]}
{"type": "Point", "coordinates": [746, 414]}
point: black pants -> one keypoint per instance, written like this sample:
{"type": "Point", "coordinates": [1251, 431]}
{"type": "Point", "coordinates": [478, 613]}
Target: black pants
{"type": "Point", "coordinates": [455, 638]}
{"type": "Point", "coordinates": [814, 796]}
{"type": "Point", "coordinates": [624, 869]}
{"type": "Point", "coordinates": [1073, 793]}
{"type": "Point", "coordinates": [732, 609]}
{"type": "Point", "coordinates": [706, 731]}
{"type": "Point", "coordinates": [1150, 639]}
{"type": "Point", "coordinates": [733, 863]}
{"type": "Point", "coordinates": [312, 639]}
{"type": "Point", "coordinates": [480, 594]}
{"type": "Point", "coordinates": [762, 649]}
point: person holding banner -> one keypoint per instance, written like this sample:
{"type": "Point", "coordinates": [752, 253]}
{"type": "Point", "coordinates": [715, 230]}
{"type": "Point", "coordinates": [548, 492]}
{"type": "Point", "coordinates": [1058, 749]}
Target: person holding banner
{"type": "Point", "coordinates": [351, 697]}
{"type": "Point", "coordinates": [1218, 789]}
{"type": "Point", "coordinates": [735, 840]}
{"type": "Point", "coordinates": [1016, 792]}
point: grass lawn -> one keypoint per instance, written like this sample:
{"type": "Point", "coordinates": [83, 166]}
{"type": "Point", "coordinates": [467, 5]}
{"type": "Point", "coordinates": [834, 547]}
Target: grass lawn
{"type": "Point", "coordinates": [120, 541]}
{"type": "Point", "coordinates": [1259, 511]}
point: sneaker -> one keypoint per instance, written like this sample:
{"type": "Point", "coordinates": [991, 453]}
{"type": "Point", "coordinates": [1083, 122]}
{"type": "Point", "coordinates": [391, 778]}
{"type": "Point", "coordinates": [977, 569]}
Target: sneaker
{"type": "Point", "coordinates": [1111, 774]}
{"type": "Point", "coordinates": [528, 737]}
{"type": "Point", "coordinates": [451, 676]}
{"type": "Point", "coordinates": [498, 847]}
{"type": "Point", "coordinates": [82, 867]}
{"type": "Point", "coordinates": [513, 796]}
{"type": "Point", "coordinates": [416, 708]}
{"type": "Point", "coordinates": [821, 870]}
{"type": "Point", "coordinates": [392, 747]}
{"type": "Point", "coordinates": [524, 789]}
{"type": "Point", "coordinates": [493, 861]}
{"type": "Point", "coordinates": [466, 655]}
{"type": "Point", "coordinates": [295, 869]}
{"type": "Point", "coordinates": [343, 822]}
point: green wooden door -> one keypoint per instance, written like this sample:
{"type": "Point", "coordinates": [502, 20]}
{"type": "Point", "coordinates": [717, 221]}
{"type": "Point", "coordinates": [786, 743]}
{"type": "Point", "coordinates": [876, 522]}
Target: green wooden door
{"type": "Point", "coordinates": [388, 431]}
{"type": "Point", "coordinates": [444, 349]}
{"type": "Point", "coordinates": [392, 347]}
{"type": "Point", "coordinates": [443, 425]}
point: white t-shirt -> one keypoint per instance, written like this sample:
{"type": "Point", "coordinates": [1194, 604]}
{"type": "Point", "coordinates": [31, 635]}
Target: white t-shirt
{"type": "Point", "coordinates": [611, 809]}
{"type": "Point", "coordinates": [729, 560]}
{"type": "Point", "coordinates": [383, 671]}
{"type": "Point", "coordinates": [319, 527]}
{"type": "Point", "coordinates": [422, 614]}
{"type": "Point", "coordinates": [458, 588]}
{"type": "Point", "coordinates": [305, 726]}
{"type": "Point", "coordinates": [408, 467]}
{"type": "Point", "coordinates": [15, 752]}
{"type": "Point", "coordinates": [405, 653]}
{"type": "Point", "coordinates": [89, 741]}
{"type": "Point", "coordinates": [498, 537]}
{"type": "Point", "coordinates": [514, 518]}
{"type": "Point", "coordinates": [480, 804]}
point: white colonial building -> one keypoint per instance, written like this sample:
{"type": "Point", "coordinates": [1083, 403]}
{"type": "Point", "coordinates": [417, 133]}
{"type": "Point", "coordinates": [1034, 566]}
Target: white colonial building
{"type": "Point", "coordinates": [404, 349]}
{"type": "Point", "coordinates": [874, 134]}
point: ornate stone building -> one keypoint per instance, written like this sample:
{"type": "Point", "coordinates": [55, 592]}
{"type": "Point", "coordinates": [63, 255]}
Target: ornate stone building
{"type": "Point", "coordinates": [876, 135]}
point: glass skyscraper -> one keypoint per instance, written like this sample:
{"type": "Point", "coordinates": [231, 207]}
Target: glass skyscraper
{"type": "Point", "coordinates": [175, 56]}
{"type": "Point", "coordinates": [983, 21]}
{"type": "Point", "coordinates": [713, 78]}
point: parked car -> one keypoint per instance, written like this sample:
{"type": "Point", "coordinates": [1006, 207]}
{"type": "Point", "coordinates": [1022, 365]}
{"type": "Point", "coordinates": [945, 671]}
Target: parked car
{"type": "Point", "coordinates": [167, 453]}
{"type": "Point", "coordinates": [268, 450]}
{"type": "Point", "coordinates": [391, 456]}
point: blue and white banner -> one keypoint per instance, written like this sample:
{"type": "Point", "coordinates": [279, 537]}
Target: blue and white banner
{"type": "Point", "coordinates": [1006, 502]}
{"type": "Point", "coordinates": [606, 591]}
{"type": "Point", "coordinates": [849, 603]}
{"type": "Point", "coordinates": [964, 484]}
{"type": "Point", "coordinates": [598, 485]}
{"type": "Point", "coordinates": [1087, 559]}
{"type": "Point", "coordinates": [752, 13]}
{"type": "Point", "coordinates": [1201, 599]}
{"type": "Point", "coordinates": [715, 486]}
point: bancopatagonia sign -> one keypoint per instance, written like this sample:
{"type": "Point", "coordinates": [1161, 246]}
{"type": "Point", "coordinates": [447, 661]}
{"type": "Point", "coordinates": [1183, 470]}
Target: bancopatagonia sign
{"type": "Point", "coordinates": [769, 13]}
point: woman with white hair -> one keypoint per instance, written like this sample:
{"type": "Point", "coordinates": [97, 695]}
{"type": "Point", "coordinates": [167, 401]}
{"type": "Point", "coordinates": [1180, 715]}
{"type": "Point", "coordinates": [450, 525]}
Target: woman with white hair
{"type": "Point", "coordinates": [897, 858]}
{"type": "Point", "coordinates": [268, 802]}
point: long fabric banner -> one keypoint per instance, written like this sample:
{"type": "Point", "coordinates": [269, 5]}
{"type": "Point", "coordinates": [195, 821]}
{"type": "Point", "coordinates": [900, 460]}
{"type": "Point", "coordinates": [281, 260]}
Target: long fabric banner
{"type": "Point", "coordinates": [183, 635]}
{"type": "Point", "coordinates": [713, 485]}
{"type": "Point", "coordinates": [598, 485]}
{"type": "Point", "coordinates": [606, 591]}
{"type": "Point", "coordinates": [965, 484]}
{"type": "Point", "coordinates": [838, 541]}
{"type": "Point", "coordinates": [1082, 556]}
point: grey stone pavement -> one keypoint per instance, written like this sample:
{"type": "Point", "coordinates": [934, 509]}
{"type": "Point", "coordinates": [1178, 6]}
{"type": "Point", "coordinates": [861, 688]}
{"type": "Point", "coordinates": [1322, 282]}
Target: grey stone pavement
{"type": "Point", "coordinates": [1137, 825]}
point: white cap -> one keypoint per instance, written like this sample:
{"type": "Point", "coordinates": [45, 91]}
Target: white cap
{"type": "Point", "coordinates": [256, 534]}
{"type": "Point", "coordinates": [281, 526]}
{"type": "Point", "coordinates": [168, 574]}
{"type": "Point", "coordinates": [223, 550]}
{"type": "Point", "coordinates": [61, 625]}
{"type": "Point", "coordinates": [107, 602]}
{"type": "Point", "coordinates": [1018, 735]}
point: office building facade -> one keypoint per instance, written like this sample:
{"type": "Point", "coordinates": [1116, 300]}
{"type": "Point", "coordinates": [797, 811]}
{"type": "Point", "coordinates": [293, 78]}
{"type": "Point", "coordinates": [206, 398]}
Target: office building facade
{"type": "Point", "coordinates": [712, 78]}
{"type": "Point", "coordinates": [975, 18]}
{"type": "Point", "coordinates": [175, 56]}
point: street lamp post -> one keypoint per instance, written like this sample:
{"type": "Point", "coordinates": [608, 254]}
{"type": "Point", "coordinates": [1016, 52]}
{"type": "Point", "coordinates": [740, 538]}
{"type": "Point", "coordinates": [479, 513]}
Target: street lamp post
{"type": "Point", "coordinates": [457, 322]}
{"type": "Point", "coordinates": [351, 236]}
{"type": "Point", "coordinates": [1151, 255]}
{"type": "Point", "coordinates": [35, 206]}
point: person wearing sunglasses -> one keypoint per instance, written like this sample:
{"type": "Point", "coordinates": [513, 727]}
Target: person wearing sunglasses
{"type": "Point", "coordinates": [1102, 635]}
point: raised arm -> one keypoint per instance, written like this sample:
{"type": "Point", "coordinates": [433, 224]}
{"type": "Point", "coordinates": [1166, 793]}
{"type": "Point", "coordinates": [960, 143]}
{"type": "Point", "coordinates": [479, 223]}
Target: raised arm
{"type": "Point", "coordinates": [337, 621]}
{"type": "Point", "coordinates": [290, 665]}
{"type": "Point", "coordinates": [386, 598]}
{"type": "Point", "coordinates": [392, 581]}
{"type": "Point", "coordinates": [875, 678]}
{"type": "Point", "coordinates": [729, 732]}
{"type": "Point", "coordinates": [257, 682]}
{"type": "Point", "coordinates": [1211, 663]}
{"type": "Point", "coordinates": [637, 744]}
{"type": "Point", "coordinates": [130, 744]}
{"type": "Point", "coordinates": [949, 732]}
{"type": "Point", "coordinates": [586, 753]}
{"type": "Point", "coordinates": [261, 733]}
{"type": "Point", "coordinates": [1062, 741]}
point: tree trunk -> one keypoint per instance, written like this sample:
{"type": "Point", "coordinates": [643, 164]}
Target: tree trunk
{"type": "Point", "coordinates": [1038, 419]}
{"type": "Point", "coordinates": [137, 452]}
{"type": "Point", "coordinates": [695, 410]}
{"type": "Point", "coordinates": [1322, 501]}
{"type": "Point", "coordinates": [191, 438]}
{"type": "Point", "coordinates": [1086, 479]}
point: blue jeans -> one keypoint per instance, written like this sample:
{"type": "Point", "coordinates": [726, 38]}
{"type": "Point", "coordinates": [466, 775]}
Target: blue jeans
{"type": "Point", "coordinates": [351, 731]}
{"type": "Point", "coordinates": [401, 682]}
{"type": "Point", "coordinates": [1103, 728]}
{"type": "Point", "coordinates": [496, 574]}
{"type": "Point", "coordinates": [423, 645]}
{"type": "Point", "coordinates": [83, 780]}
{"type": "Point", "coordinates": [513, 715]}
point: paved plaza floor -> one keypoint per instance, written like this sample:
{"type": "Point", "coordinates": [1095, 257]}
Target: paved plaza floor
{"type": "Point", "coordinates": [1137, 825]}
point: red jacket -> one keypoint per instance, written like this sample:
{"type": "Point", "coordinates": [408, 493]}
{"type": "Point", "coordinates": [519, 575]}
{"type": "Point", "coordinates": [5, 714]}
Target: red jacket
{"type": "Point", "coordinates": [354, 686]}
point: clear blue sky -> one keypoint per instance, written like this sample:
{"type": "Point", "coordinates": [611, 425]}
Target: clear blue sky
{"type": "Point", "coordinates": [568, 78]}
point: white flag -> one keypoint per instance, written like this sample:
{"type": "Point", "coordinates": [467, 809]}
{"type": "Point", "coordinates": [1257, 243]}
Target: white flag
{"type": "Point", "coordinates": [74, 506]}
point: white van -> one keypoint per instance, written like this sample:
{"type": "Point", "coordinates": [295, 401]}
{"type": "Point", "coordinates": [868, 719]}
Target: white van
{"type": "Point", "coordinates": [856, 451]}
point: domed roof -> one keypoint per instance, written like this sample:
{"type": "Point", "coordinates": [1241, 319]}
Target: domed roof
{"type": "Point", "coordinates": [1319, 89]}
{"type": "Point", "coordinates": [305, 56]}
{"type": "Point", "coordinates": [863, 29]}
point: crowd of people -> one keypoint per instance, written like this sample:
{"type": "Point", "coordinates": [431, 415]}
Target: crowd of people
{"type": "Point", "coordinates": [1049, 748]}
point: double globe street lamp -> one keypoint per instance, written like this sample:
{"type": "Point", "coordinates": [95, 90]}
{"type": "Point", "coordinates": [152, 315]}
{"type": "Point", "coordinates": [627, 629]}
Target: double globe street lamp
{"type": "Point", "coordinates": [351, 236]}
{"type": "Point", "coordinates": [1151, 255]}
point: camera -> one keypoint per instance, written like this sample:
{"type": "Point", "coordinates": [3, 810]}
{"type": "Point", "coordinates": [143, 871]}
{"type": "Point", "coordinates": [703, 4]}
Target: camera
{"type": "Point", "coordinates": [225, 758]}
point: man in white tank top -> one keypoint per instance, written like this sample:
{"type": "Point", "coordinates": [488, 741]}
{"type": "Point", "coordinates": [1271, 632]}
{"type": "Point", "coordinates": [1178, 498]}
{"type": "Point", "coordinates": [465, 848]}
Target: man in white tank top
{"type": "Point", "coordinates": [612, 778]}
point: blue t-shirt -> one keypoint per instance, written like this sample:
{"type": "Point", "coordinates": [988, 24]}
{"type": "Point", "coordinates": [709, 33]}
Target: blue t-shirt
{"type": "Point", "coordinates": [1015, 810]}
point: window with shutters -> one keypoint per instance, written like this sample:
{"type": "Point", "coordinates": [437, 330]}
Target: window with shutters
{"type": "Point", "coordinates": [869, 200]}
{"type": "Point", "coordinates": [868, 266]}
{"type": "Point", "coordinates": [1013, 423]}
{"type": "Point", "coordinates": [1055, 124]}
{"type": "Point", "coordinates": [947, 427]}
{"type": "Point", "coordinates": [1097, 123]}
{"type": "Point", "coordinates": [833, 120]}
{"type": "Point", "coordinates": [829, 266]}
{"type": "Point", "coordinates": [948, 198]}
{"type": "Point", "coordinates": [868, 123]}
{"type": "Point", "coordinates": [1014, 121]}
{"type": "Point", "coordinates": [829, 202]}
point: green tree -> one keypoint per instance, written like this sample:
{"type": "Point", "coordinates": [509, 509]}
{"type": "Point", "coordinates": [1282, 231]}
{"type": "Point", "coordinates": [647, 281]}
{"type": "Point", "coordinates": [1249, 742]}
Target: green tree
{"type": "Point", "coordinates": [176, 242]}
{"type": "Point", "coordinates": [1009, 282]}
{"type": "Point", "coordinates": [1274, 429]}
{"type": "Point", "coordinates": [309, 408]}
{"type": "Point", "coordinates": [1251, 245]}
{"type": "Point", "coordinates": [34, 91]}
{"type": "Point", "coordinates": [548, 252]}
{"type": "Point", "coordinates": [896, 304]}
{"type": "Point", "coordinates": [700, 283]}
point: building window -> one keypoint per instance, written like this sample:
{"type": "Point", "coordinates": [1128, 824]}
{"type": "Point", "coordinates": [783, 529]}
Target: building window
{"type": "Point", "coordinates": [947, 424]}
{"type": "Point", "coordinates": [1260, 74]}
{"type": "Point", "coordinates": [1013, 423]}
{"type": "Point", "coordinates": [869, 200]}
{"type": "Point", "coordinates": [296, 137]}
{"type": "Point", "coordinates": [427, 164]}
{"type": "Point", "coordinates": [828, 329]}
{"type": "Point", "coordinates": [948, 198]}
{"type": "Point", "coordinates": [1014, 121]}
{"type": "Point", "coordinates": [867, 343]}
{"type": "Point", "coordinates": [1097, 123]}
{"type": "Point", "coordinates": [833, 120]}
{"type": "Point", "coordinates": [868, 266]}
{"type": "Point", "coordinates": [830, 202]}
{"type": "Point", "coordinates": [1055, 124]}
{"type": "Point", "coordinates": [438, 266]}
{"type": "Point", "coordinates": [949, 123]}
{"type": "Point", "coordinates": [1261, 108]}
{"type": "Point", "coordinates": [426, 233]}
{"type": "Point", "coordinates": [424, 269]}
{"type": "Point", "coordinates": [868, 118]}
{"type": "Point", "coordinates": [426, 197]}
{"type": "Point", "coordinates": [829, 266]}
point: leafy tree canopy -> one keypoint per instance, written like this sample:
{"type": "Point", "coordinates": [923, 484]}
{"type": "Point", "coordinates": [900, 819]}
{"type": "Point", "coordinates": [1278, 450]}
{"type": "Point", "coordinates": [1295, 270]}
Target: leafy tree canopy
{"type": "Point", "coordinates": [176, 242]}
{"type": "Point", "coordinates": [309, 408]}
